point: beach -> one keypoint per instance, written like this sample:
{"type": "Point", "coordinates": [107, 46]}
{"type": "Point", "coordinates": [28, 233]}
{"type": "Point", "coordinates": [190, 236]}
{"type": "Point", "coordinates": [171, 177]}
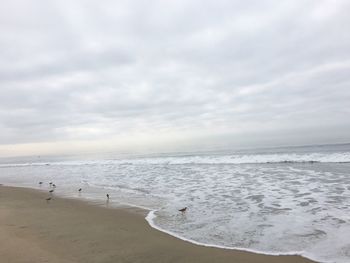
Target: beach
{"type": "Point", "coordinates": [68, 230]}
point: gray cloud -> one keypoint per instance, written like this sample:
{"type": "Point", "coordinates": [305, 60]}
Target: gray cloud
{"type": "Point", "coordinates": [228, 73]}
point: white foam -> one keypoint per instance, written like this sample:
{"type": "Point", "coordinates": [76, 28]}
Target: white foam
{"type": "Point", "coordinates": [150, 219]}
{"type": "Point", "coordinates": [334, 157]}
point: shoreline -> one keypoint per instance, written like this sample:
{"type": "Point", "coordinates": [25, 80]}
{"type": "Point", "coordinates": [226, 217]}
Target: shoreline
{"type": "Point", "coordinates": [151, 215]}
{"type": "Point", "coordinates": [107, 234]}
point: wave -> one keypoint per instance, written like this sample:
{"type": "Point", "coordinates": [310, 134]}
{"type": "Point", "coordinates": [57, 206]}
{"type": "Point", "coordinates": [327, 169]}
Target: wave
{"type": "Point", "coordinates": [343, 157]}
{"type": "Point", "coordinates": [150, 218]}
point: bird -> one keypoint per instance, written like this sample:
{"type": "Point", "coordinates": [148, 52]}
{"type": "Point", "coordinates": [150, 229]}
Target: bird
{"type": "Point", "coordinates": [107, 196]}
{"type": "Point", "coordinates": [40, 183]}
{"type": "Point", "coordinates": [48, 199]}
{"type": "Point", "coordinates": [50, 184]}
{"type": "Point", "coordinates": [51, 191]}
{"type": "Point", "coordinates": [183, 210]}
{"type": "Point", "coordinates": [80, 190]}
{"type": "Point", "coordinates": [53, 185]}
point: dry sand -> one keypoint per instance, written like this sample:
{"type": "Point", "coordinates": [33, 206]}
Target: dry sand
{"type": "Point", "coordinates": [67, 231]}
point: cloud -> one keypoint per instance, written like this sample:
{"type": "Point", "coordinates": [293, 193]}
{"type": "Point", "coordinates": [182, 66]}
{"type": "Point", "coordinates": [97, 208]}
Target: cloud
{"type": "Point", "coordinates": [193, 71]}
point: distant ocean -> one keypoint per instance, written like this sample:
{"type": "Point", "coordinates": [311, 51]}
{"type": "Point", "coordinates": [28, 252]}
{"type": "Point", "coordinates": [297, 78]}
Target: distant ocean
{"type": "Point", "coordinates": [291, 200]}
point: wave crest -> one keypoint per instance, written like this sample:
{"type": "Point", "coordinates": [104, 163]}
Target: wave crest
{"type": "Point", "coordinates": [208, 159]}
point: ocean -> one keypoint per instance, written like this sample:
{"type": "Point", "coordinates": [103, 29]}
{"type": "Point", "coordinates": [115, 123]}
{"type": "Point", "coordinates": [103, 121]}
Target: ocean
{"type": "Point", "coordinates": [287, 200]}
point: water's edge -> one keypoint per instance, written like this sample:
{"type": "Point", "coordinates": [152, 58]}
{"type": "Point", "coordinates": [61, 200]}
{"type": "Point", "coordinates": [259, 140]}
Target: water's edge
{"type": "Point", "coordinates": [150, 219]}
{"type": "Point", "coordinates": [150, 216]}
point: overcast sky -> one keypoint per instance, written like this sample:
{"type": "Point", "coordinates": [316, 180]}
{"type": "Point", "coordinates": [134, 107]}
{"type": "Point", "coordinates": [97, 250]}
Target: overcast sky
{"type": "Point", "coordinates": [86, 75]}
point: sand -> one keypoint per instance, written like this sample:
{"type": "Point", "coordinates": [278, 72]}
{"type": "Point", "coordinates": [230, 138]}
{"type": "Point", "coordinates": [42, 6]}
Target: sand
{"type": "Point", "coordinates": [67, 231]}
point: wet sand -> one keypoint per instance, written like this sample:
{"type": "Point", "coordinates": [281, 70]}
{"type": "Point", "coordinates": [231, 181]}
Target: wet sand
{"type": "Point", "coordinates": [33, 230]}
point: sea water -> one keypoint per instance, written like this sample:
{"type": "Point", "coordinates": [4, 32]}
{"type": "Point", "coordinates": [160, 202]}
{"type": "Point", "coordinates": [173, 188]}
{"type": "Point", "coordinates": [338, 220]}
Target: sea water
{"type": "Point", "coordinates": [292, 200]}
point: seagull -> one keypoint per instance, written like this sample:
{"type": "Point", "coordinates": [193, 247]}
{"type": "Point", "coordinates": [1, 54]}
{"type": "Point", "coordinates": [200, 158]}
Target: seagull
{"type": "Point", "coordinates": [107, 196]}
{"type": "Point", "coordinates": [80, 190]}
{"type": "Point", "coordinates": [40, 183]}
{"type": "Point", "coordinates": [183, 210]}
{"type": "Point", "coordinates": [48, 199]}
{"type": "Point", "coordinates": [51, 191]}
{"type": "Point", "coordinates": [53, 185]}
{"type": "Point", "coordinates": [50, 184]}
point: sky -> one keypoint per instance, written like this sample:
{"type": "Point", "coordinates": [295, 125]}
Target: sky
{"type": "Point", "coordinates": [165, 75]}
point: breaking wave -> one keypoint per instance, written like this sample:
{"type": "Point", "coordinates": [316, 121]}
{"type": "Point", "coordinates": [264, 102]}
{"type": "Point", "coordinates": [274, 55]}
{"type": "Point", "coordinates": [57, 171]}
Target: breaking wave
{"type": "Point", "coordinates": [342, 157]}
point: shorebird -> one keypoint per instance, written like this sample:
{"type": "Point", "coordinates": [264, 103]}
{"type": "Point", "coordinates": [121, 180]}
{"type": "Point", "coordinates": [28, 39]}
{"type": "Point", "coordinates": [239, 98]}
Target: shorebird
{"type": "Point", "coordinates": [183, 210]}
{"type": "Point", "coordinates": [48, 199]}
{"type": "Point", "coordinates": [107, 196]}
{"type": "Point", "coordinates": [40, 183]}
{"type": "Point", "coordinates": [53, 185]}
{"type": "Point", "coordinates": [51, 191]}
{"type": "Point", "coordinates": [50, 184]}
{"type": "Point", "coordinates": [80, 190]}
